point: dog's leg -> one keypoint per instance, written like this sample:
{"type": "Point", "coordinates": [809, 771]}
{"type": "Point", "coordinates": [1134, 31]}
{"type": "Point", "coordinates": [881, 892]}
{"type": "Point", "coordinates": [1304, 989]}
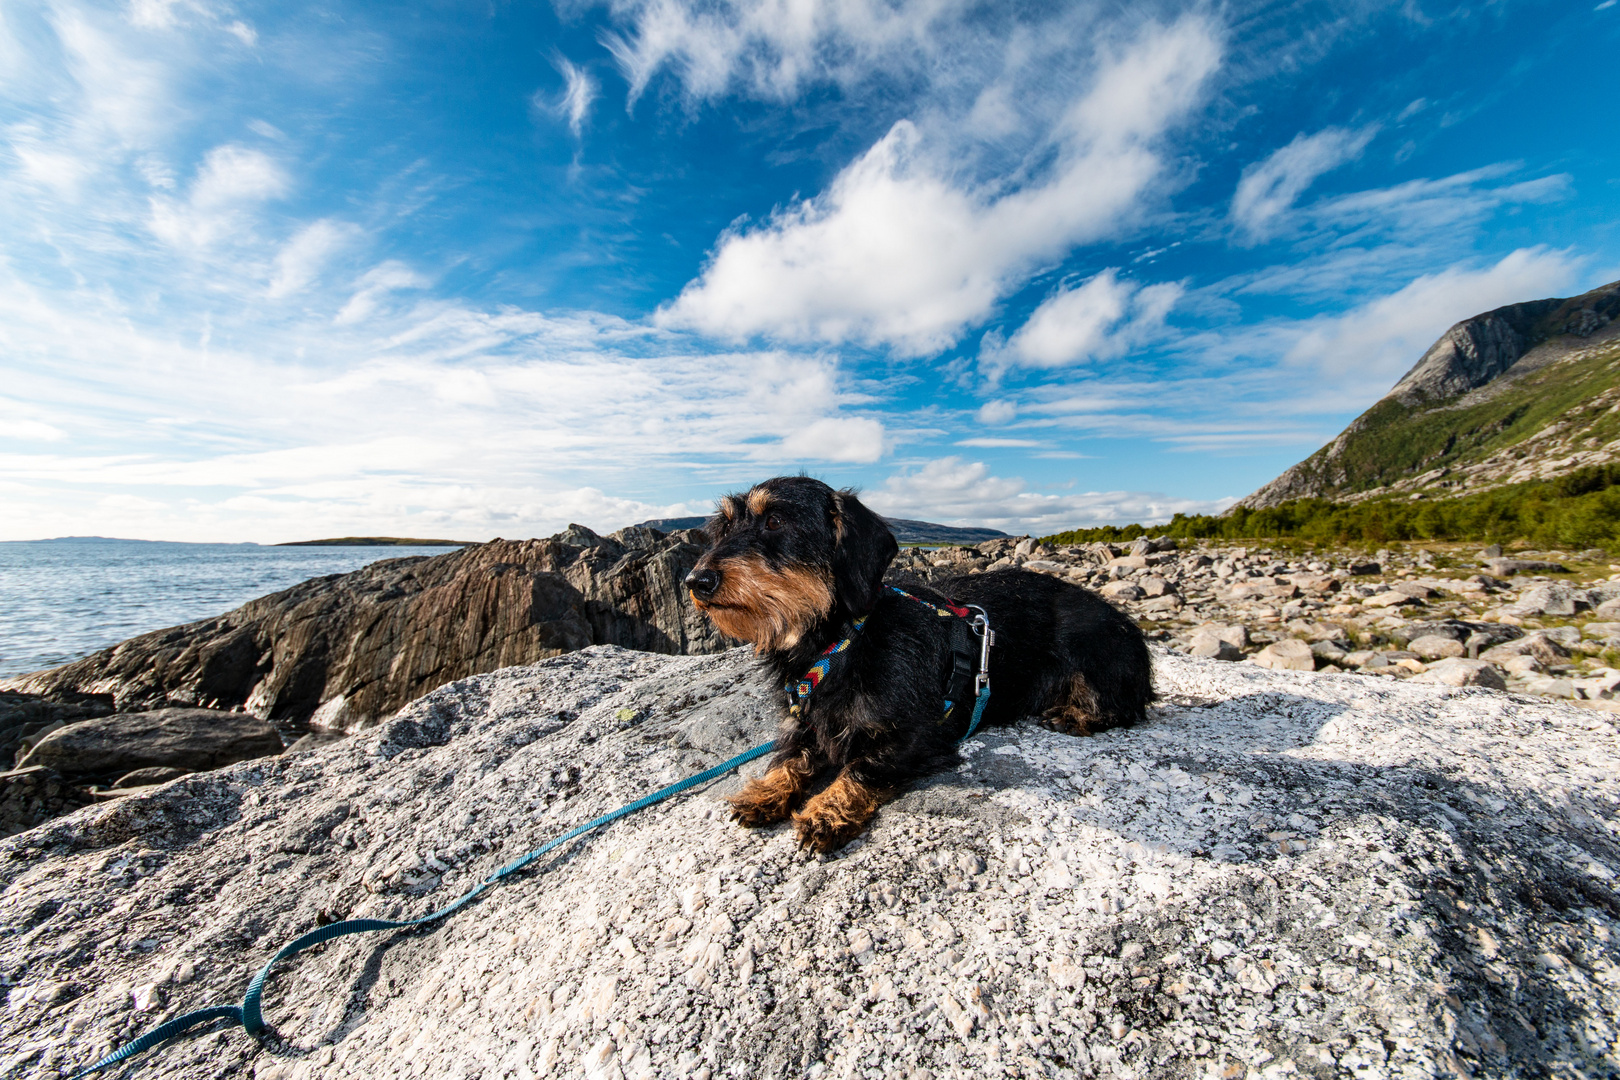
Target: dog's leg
{"type": "Point", "coordinates": [839, 813]}
{"type": "Point", "coordinates": [1076, 711]}
{"type": "Point", "coordinates": [768, 799]}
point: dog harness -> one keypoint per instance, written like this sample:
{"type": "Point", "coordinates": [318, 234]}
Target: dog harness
{"type": "Point", "coordinates": [970, 660]}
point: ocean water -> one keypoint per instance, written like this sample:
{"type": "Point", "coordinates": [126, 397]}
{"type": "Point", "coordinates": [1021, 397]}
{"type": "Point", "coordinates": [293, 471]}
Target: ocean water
{"type": "Point", "coordinates": [63, 599]}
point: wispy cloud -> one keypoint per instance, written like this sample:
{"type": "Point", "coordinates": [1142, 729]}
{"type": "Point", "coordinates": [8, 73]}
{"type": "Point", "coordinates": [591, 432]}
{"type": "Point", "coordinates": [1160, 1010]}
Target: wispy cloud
{"type": "Point", "coordinates": [1101, 319]}
{"type": "Point", "coordinates": [580, 91]}
{"type": "Point", "coordinates": [1268, 189]}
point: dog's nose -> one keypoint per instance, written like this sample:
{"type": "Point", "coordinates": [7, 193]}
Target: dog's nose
{"type": "Point", "coordinates": [703, 582]}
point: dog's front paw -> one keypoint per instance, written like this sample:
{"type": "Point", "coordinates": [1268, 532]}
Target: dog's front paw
{"type": "Point", "coordinates": [761, 802]}
{"type": "Point", "coordinates": [825, 829]}
{"type": "Point", "coordinates": [837, 815]}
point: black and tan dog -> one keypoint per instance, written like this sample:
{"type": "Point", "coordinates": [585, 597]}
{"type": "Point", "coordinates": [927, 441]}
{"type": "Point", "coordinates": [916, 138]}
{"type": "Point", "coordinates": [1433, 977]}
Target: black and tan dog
{"type": "Point", "coordinates": [795, 564]}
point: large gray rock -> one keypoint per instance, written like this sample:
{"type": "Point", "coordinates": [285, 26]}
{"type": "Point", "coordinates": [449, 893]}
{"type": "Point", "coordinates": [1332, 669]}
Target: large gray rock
{"type": "Point", "coordinates": [190, 739]}
{"type": "Point", "coordinates": [1459, 671]}
{"type": "Point", "coordinates": [29, 797]}
{"type": "Point", "coordinates": [1551, 598]}
{"type": "Point", "coordinates": [26, 718]}
{"type": "Point", "coordinates": [1315, 875]}
{"type": "Point", "coordinates": [1506, 567]}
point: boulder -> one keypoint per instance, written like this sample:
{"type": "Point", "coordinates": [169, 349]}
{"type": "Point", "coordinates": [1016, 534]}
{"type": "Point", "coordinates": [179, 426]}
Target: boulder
{"type": "Point", "coordinates": [1363, 569]}
{"type": "Point", "coordinates": [1537, 645]}
{"type": "Point", "coordinates": [1319, 584]}
{"type": "Point", "coordinates": [1286, 870]}
{"type": "Point", "coordinates": [1509, 567]}
{"type": "Point", "coordinates": [1459, 671]}
{"type": "Point", "coordinates": [358, 646]}
{"type": "Point", "coordinates": [1391, 599]}
{"type": "Point", "coordinates": [190, 739]}
{"type": "Point", "coordinates": [1122, 590]}
{"type": "Point", "coordinates": [1436, 647]}
{"type": "Point", "coordinates": [1219, 642]}
{"type": "Point", "coordinates": [1153, 585]}
{"type": "Point", "coordinates": [26, 718]}
{"type": "Point", "coordinates": [1289, 654]}
{"type": "Point", "coordinates": [1550, 598]}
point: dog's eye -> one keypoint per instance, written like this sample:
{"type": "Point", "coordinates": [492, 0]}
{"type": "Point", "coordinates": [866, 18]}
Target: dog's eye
{"type": "Point", "coordinates": [773, 523]}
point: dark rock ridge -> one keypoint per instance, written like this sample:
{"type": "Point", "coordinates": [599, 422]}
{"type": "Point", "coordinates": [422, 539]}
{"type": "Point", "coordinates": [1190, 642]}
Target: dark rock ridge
{"type": "Point", "coordinates": [905, 530]}
{"type": "Point", "coordinates": [1436, 420]}
{"type": "Point", "coordinates": [343, 651]}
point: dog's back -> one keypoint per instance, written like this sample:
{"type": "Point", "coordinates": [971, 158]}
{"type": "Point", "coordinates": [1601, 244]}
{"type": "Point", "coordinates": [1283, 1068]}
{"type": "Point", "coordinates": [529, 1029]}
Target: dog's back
{"type": "Point", "coordinates": [1062, 652]}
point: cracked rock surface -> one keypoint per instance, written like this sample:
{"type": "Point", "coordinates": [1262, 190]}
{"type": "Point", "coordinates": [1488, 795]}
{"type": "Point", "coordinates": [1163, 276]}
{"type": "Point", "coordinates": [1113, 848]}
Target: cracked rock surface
{"type": "Point", "coordinates": [1282, 873]}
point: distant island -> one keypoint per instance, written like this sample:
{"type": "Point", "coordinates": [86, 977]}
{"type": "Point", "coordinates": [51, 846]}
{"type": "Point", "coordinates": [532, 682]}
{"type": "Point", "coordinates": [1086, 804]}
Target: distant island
{"type": "Point", "coordinates": [905, 531]}
{"type": "Point", "coordinates": [376, 541]}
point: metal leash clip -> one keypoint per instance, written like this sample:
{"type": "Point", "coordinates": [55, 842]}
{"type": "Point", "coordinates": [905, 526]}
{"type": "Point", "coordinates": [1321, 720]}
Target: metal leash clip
{"type": "Point", "coordinates": [980, 625]}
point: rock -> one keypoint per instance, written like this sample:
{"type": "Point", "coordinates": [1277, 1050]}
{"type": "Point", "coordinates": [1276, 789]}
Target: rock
{"type": "Point", "coordinates": [1271, 876]}
{"type": "Point", "coordinates": [1329, 652]}
{"type": "Point", "coordinates": [1509, 567]}
{"type": "Point", "coordinates": [1317, 584]}
{"type": "Point", "coordinates": [25, 718]}
{"type": "Point", "coordinates": [189, 739]}
{"type": "Point", "coordinates": [1436, 647]}
{"type": "Point", "coordinates": [1459, 671]}
{"type": "Point", "coordinates": [1550, 687]}
{"type": "Point", "coordinates": [1493, 551]}
{"type": "Point", "coordinates": [1416, 589]}
{"type": "Point", "coordinates": [1213, 648]}
{"type": "Point", "coordinates": [1128, 562]}
{"type": "Point", "coordinates": [1550, 598]}
{"type": "Point", "coordinates": [33, 795]}
{"type": "Point", "coordinates": [1363, 569]}
{"type": "Point", "coordinates": [1121, 590]}
{"type": "Point", "coordinates": [1522, 666]}
{"type": "Point", "coordinates": [1167, 604]}
{"type": "Point", "coordinates": [1047, 566]}
{"type": "Point", "coordinates": [1537, 645]}
{"type": "Point", "coordinates": [1608, 609]}
{"type": "Point", "coordinates": [355, 647]}
{"type": "Point", "coordinates": [1601, 629]}
{"type": "Point", "coordinates": [1025, 546]}
{"type": "Point", "coordinates": [1289, 654]}
{"type": "Point", "coordinates": [1391, 599]}
{"type": "Point", "coordinates": [1601, 685]}
{"type": "Point", "coordinates": [161, 774]}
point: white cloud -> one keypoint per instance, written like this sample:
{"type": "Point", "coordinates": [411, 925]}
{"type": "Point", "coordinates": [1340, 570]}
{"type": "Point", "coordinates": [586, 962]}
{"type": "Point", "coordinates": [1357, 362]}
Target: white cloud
{"type": "Point", "coordinates": [771, 48]}
{"type": "Point", "coordinates": [579, 92]}
{"type": "Point", "coordinates": [303, 257]}
{"type": "Point", "coordinates": [896, 253]}
{"type": "Point", "coordinates": [231, 181]}
{"type": "Point", "coordinates": [1102, 319]}
{"type": "Point", "coordinates": [851, 439]}
{"type": "Point", "coordinates": [374, 286]}
{"type": "Point", "coordinates": [1001, 411]}
{"type": "Point", "coordinates": [955, 491]}
{"type": "Point", "coordinates": [1267, 190]}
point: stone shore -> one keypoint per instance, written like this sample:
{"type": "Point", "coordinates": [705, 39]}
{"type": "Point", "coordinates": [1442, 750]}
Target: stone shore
{"type": "Point", "coordinates": [1543, 623]}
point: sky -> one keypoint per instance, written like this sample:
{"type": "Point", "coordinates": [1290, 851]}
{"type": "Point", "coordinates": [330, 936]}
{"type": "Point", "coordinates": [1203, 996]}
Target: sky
{"type": "Point", "coordinates": [282, 271]}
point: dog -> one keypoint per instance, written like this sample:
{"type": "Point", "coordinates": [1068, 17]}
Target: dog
{"type": "Point", "coordinates": [797, 569]}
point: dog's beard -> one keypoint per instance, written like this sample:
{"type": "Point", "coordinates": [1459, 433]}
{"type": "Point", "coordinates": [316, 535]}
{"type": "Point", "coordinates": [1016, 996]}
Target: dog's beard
{"type": "Point", "coordinates": [772, 607]}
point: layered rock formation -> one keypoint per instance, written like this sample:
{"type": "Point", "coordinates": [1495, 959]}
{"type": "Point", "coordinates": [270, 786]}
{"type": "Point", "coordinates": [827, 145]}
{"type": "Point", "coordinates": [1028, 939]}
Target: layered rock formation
{"type": "Point", "coordinates": [343, 651]}
{"type": "Point", "coordinates": [1524, 392]}
{"type": "Point", "coordinates": [1281, 874]}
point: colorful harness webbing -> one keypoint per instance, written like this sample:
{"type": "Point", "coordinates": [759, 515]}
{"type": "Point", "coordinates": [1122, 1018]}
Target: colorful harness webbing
{"type": "Point", "coordinates": [964, 681]}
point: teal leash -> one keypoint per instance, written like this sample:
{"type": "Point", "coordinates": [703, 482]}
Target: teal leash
{"type": "Point", "coordinates": [251, 1019]}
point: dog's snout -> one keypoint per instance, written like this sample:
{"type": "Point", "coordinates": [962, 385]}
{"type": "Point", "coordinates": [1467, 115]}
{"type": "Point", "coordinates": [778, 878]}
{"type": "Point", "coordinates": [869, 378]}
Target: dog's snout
{"type": "Point", "coordinates": [703, 582]}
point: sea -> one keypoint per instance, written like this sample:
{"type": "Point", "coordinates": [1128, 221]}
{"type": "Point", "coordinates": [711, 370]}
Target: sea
{"type": "Point", "coordinates": [66, 598]}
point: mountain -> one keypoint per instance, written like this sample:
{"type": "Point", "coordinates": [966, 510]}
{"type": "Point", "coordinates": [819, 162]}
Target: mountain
{"type": "Point", "coordinates": [1524, 392]}
{"type": "Point", "coordinates": [905, 530]}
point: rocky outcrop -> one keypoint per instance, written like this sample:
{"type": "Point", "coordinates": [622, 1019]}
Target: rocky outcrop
{"type": "Point", "coordinates": [1436, 428]}
{"type": "Point", "coordinates": [343, 651]}
{"type": "Point", "coordinates": [1280, 874]}
{"type": "Point", "coordinates": [25, 718]}
{"type": "Point", "coordinates": [190, 740]}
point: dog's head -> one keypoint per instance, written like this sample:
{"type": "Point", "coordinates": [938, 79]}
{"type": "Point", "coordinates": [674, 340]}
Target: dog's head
{"type": "Point", "coordinates": [786, 555]}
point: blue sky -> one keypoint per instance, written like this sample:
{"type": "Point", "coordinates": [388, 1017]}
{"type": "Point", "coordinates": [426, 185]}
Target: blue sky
{"type": "Point", "coordinates": [281, 271]}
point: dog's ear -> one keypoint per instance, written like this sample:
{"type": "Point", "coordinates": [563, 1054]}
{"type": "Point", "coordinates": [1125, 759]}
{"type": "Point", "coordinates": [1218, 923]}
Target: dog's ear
{"type": "Point", "coordinates": [862, 549]}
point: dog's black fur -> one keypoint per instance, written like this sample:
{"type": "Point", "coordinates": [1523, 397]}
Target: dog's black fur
{"type": "Point", "coordinates": [794, 561]}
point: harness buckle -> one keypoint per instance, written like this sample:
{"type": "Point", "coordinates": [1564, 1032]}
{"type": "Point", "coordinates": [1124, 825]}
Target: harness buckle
{"type": "Point", "coordinates": [980, 625]}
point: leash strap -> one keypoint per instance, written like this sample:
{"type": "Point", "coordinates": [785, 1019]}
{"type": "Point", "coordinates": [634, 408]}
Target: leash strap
{"type": "Point", "coordinates": [248, 1014]}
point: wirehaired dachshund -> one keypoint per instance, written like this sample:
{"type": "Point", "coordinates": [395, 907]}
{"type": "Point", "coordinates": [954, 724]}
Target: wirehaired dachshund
{"type": "Point", "coordinates": [796, 567]}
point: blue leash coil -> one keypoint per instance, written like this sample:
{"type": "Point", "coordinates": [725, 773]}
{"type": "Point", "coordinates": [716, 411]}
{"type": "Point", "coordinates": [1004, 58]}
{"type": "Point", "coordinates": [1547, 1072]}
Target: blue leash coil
{"type": "Point", "coordinates": [251, 1019]}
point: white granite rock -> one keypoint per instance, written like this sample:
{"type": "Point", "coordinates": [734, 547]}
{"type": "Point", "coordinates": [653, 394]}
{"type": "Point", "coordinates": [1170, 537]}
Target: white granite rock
{"type": "Point", "coordinates": [1280, 874]}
